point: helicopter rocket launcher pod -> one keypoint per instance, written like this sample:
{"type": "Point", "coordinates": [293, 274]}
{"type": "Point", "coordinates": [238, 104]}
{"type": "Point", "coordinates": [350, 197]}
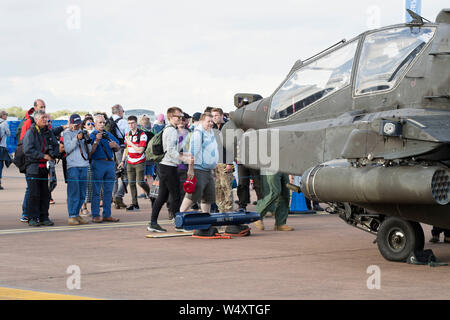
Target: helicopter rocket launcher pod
{"type": "Point", "coordinates": [366, 123]}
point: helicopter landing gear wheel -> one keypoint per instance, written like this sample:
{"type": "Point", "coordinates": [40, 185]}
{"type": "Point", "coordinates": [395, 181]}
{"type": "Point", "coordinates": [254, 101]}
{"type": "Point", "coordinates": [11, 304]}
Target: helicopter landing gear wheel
{"type": "Point", "coordinates": [398, 238]}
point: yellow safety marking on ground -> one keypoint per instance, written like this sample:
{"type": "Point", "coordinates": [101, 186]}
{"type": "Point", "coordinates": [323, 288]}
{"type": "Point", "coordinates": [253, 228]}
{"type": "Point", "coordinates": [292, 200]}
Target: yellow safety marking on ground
{"type": "Point", "coordinates": [103, 225]}
{"type": "Point", "coordinates": [18, 294]}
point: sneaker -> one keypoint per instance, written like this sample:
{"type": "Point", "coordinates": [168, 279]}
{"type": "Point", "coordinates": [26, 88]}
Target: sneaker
{"type": "Point", "coordinates": [172, 221]}
{"type": "Point", "coordinates": [47, 222]}
{"type": "Point", "coordinates": [154, 227]}
{"type": "Point", "coordinates": [24, 218]}
{"type": "Point", "coordinates": [73, 221]}
{"type": "Point", "coordinates": [133, 207]}
{"type": "Point", "coordinates": [283, 227]}
{"type": "Point", "coordinates": [33, 223]}
{"type": "Point", "coordinates": [82, 220]}
{"type": "Point", "coordinates": [181, 230]}
{"type": "Point", "coordinates": [259, 225]}
{"type": "Point", "coordinates": [52, 201]}
{"type": "Point", "coordinates": [434, 239]}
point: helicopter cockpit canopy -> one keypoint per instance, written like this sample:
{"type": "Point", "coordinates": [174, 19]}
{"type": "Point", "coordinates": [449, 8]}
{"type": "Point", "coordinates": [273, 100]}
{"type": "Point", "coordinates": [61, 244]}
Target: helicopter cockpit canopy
{"type": "Point", "coordinates": [384, 58]}
{"type": "Point", "coordinates": [314, 81]}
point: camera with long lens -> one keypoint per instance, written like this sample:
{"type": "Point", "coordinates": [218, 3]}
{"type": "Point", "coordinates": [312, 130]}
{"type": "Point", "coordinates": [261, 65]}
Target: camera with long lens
{"type": "Point", "coordinates": [119, 172]}
{"type": "Point", "coordinates": [86, 136]}
{"type": "Point", "coordinates": [52, 145]}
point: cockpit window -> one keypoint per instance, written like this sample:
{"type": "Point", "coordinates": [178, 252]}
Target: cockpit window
{"type": "Point", "coordinates": [386, 55]}
{"type": "Point", "coordinates": [314, 82]}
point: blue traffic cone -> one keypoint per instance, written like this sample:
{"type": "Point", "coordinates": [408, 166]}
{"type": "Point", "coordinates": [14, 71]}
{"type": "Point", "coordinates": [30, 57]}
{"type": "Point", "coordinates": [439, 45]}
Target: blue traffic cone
{"type": "Point", "coordinates": [298, 203]}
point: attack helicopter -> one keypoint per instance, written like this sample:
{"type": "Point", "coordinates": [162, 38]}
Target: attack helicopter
{"type": "Point", "coordinates": [366, 124]}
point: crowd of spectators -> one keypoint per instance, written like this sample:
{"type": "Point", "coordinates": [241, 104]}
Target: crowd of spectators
{"type": "Point", "coordinates": [103, 157]}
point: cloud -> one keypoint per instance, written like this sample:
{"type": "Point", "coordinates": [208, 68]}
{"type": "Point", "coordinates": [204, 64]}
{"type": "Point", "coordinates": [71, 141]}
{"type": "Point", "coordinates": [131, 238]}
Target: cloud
{"type": "Point", "coordinates": [158, 54]}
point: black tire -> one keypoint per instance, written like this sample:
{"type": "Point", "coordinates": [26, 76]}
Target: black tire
{"type": "Point", "coordinates": [420, 236]}
{"type": "Point", "coordinates": [398, 238]}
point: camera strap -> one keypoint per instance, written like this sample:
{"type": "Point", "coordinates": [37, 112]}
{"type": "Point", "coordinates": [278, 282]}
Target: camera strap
{"type": "Point", "coordinates": [106, 153]}
{"type": "Point", "coordinates": [81, 150]}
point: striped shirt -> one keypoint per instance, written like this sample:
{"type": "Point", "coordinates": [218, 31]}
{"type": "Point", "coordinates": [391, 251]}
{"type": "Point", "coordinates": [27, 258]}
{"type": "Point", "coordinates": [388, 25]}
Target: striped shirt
{"type": "Point", "coordinates": [140, 139]}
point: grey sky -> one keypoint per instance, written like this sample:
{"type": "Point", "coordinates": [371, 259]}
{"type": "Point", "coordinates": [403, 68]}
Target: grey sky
{"type": "Point", "coordinates": [153, 54]}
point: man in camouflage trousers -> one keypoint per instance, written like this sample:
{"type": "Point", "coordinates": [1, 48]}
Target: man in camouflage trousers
{"type": "Point", "coordinates": [224, 191]}
{"type": "Point", "coordinates": [224, 169]}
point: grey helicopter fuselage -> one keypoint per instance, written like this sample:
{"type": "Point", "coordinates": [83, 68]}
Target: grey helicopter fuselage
{"type": "Point", "coordinates": [365, 123]}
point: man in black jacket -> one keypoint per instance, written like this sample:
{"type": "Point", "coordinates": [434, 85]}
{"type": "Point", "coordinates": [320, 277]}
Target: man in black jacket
{"type": "Point", "coordinates": [39, 146]}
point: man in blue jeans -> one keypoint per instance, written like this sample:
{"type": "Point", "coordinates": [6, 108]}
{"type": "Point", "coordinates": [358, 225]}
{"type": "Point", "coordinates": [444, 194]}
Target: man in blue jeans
{"type": "Point", "coordinates": [77, 156]}
{"type": "Point", "coordinates": [103, 167]}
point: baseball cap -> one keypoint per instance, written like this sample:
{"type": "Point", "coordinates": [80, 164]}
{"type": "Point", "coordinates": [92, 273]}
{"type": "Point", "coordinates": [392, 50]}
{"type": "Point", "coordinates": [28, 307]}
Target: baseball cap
{"type": "Point", "coordinates": [75, 119]}
{"type": "Point", "coordinates": [160, 117]}
{"type": "Point", "coordinates": [196, 116]}
{"type": "Point", "coordinates": [189, 185]}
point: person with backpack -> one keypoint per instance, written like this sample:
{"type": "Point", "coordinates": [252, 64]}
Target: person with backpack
{"type": "Point", "coordinates": [169, 158]}
{"type": "Point", "coordinates": [118, 127]}
{"type": "Point", "coordinates": [39, 146]}
{"type": "Point", "coordinates": [183, 134]}
{"type": "Point", "coordinates": [134, 157]}
{"type": "Point", "coordinates": [25, 124]}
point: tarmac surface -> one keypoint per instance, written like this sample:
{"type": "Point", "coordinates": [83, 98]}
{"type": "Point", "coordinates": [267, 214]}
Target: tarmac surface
{"type": "Point", "coordinates": [323, 258]}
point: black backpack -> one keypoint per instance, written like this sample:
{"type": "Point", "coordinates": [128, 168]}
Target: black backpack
{"type": "Point", "coordinates": [20, 159]}
{"type": "Point", "coordinates": [112, 127]}
{"type": "Point", "coordinates": [19, 128]}
{"type": "Point", "coordinates": [149, 135]}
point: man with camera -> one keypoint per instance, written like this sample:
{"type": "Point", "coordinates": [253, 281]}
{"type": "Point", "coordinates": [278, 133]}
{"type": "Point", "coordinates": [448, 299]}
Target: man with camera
{"type": "Point", "coordinates": [104, 144]}
{"type": "Point", "coordinates": [134, 157]}
{"type": "Point", "coordinates": [39, 146]}
{"type": "Point", "coordinates": [77, 147]}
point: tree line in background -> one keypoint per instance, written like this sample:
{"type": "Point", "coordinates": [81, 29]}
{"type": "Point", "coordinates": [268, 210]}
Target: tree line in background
{"type": "Point", "coordinates": [20, 113]}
